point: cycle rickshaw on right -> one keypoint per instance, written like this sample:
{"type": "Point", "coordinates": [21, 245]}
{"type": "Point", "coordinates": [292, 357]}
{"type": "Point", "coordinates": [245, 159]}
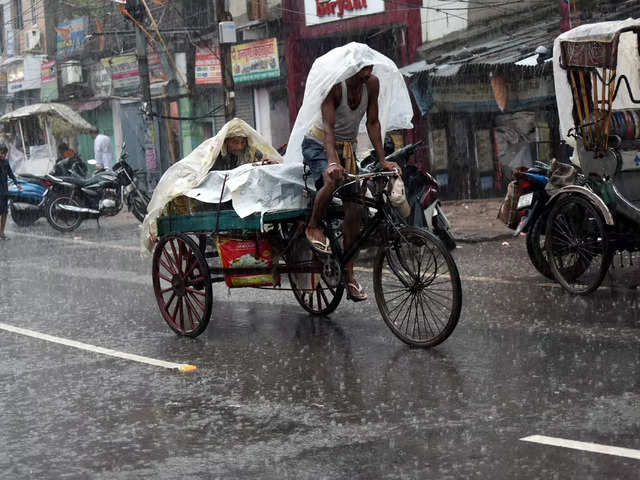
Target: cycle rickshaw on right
{"type": "Point", "coordinates": [597, 78]}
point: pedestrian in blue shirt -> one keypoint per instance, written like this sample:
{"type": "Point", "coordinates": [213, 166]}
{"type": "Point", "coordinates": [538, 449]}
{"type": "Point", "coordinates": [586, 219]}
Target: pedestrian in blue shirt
{"type": "Point", "coordinates": [5, 173]}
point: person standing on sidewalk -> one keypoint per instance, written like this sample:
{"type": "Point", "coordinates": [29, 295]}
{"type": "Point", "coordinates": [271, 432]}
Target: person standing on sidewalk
{"type": "Point", "coordinates": [5, 173]}
{"type": "Point", "coordinates": [102, 151]}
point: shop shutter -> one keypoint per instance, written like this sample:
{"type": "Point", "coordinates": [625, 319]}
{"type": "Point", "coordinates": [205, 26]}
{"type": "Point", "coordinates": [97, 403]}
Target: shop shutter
{"type": "Point", "coordinates": [244, 107]}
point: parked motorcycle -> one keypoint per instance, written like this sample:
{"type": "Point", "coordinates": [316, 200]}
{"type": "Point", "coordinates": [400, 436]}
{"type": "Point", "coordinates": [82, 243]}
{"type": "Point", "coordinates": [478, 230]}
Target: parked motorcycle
{"type": "Point", "coordinates": [75, 199]}
{"type": "Point", "coordinates": [136, 199]}
{"type": "Point", "coordinates": [421, 189]}
{"type": "Point", "coordinates": [532, 212]}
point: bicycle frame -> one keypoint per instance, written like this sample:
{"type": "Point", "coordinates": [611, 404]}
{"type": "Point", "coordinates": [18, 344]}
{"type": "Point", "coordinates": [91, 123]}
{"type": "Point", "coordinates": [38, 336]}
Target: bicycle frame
{"type": "Point", "coordinates": [382, 216]}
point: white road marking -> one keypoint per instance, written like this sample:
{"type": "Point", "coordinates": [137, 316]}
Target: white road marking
{"type": "Point", "coordinates": [585, 446]}
{"type": "Point", "coordinates": [92, 348]}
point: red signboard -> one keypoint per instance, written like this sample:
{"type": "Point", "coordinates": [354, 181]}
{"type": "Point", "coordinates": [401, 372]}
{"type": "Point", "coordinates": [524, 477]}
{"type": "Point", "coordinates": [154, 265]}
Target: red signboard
{"type": "Point", "coordinates": [208, 69]}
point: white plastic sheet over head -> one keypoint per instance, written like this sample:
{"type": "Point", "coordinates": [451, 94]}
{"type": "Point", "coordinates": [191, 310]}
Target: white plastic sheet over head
{"type": "Point", "coordinates": [628, 64]}
{"type": "Point", "coordinates": [192, 171]}
{"type": "Point", "coordinates": [394, 105]}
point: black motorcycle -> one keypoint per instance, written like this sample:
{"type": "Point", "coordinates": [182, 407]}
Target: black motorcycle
{"type": "Point", "coordinates": [136, 199]}
{"type": "Point", "coordinates": [532, 212]}
{"type": "Point", "coordinates": [102, 195]}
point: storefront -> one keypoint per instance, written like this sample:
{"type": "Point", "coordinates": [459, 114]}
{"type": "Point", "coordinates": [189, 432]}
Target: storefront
{"type": "Point", "coordinates": [23, 79]}
{"type": "Point", "coordinates": [260, 92]}
{"type": "Point", "coordinates": [482, 120]}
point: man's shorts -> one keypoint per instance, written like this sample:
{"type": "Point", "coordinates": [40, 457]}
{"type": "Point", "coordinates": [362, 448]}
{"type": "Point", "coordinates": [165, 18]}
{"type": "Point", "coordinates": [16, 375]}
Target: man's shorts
{"type": "Point", "coordinates": [315, 158]}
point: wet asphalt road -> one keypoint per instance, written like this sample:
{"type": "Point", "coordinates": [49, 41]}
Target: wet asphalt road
{"type": "Point", "coordinates": [278, 394]}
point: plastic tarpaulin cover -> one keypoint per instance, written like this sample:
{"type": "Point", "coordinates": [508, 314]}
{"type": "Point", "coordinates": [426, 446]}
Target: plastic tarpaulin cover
{"type": "Point", "coordinates": [394, 105]}
{"type": "Point", "coordinates": [251, 188]}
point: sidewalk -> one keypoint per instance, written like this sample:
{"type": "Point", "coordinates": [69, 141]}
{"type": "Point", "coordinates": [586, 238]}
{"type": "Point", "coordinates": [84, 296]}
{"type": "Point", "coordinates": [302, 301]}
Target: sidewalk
{"type": "Point", "coordinates": [474, 221]}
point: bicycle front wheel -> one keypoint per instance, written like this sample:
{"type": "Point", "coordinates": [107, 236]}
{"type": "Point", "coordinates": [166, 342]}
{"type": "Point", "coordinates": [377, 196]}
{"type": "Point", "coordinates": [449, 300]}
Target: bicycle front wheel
{"type": "Point", "coordinates": [417, 288]}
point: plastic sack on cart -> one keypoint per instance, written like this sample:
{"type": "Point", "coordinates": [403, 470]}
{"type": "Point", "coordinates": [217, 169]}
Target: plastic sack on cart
{"type": "Point", "coordinates": [394, 105]}
{"type": "Point", "coordinates": [255, 189]}
{"type": "Point", "coordinates": [192, 170]}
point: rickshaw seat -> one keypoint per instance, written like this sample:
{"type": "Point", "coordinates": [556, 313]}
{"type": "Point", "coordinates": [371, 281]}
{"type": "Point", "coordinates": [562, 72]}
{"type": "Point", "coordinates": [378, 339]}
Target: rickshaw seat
{"type": "Point", "coordinates": [627, 184]}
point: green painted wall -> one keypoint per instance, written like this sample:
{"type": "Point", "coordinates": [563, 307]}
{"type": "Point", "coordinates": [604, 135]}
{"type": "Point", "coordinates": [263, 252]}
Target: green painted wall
{"type": "Point", "coordinates": [103, 119]}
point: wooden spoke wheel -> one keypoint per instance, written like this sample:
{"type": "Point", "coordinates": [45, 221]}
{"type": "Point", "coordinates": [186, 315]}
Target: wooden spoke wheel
{"type": "Point", "coordinates": [182, 284]}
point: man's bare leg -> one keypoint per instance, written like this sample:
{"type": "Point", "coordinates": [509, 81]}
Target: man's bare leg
{"type": "Point", "coordinates": [351, 227]}
{"type": "Point", "coordinates": [323, 197]}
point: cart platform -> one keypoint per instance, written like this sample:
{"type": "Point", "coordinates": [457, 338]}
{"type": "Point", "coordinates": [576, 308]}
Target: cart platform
{"type": "Point", "coordinates": [229, 220]}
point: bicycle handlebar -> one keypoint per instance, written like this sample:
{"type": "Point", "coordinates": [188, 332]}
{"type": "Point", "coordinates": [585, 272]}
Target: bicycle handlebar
{"type": "Point", "coordinates": [363, 176]}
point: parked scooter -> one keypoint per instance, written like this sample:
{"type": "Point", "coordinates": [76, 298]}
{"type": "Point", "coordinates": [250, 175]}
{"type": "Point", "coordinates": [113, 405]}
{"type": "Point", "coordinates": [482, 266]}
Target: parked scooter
{"type": "Point", "coordinates": [29, 204]}
{"type": "Point", "coordinates": [422, 191]}
{"type": "Point", "coordinates": [76, 199]}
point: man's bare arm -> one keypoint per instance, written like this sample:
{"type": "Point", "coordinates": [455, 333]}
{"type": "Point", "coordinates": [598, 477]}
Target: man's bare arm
{"type": "Point", "coordinates": [328, 122]}
{"type": "Point", "coordinates": [373, 123]}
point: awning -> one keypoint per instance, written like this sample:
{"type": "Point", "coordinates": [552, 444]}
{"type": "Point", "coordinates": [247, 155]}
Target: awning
{"type": "Point", "coordinates": [64, 121]}
{"type": "Point", "coordinates": [88, 105]}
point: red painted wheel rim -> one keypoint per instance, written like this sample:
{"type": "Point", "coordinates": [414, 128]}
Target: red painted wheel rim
{"type": "Point", "coordinates": [180, 285]}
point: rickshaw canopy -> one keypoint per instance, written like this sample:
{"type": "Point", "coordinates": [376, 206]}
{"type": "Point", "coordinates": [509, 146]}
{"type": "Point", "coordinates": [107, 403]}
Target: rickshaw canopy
{"type": "Point", "coordinates": [611, 46]}
{"type": "Point", "coordinates": [64, 122]}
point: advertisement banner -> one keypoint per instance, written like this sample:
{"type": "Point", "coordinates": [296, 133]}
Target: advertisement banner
{"type": "Point", "coordinates": [323, 11]}
{"type": "Point", "coordinates": [70, 36]}
{"type": "Point", "coordinates": [208, 71]}
{"type": "Point", "coordinates": [156, 71]}
{"type": "Point", "coordinates": [49, 79]}
{"type": "Point", "coordinates": [15, 77]}
{"type": "Point", "coordinates": [255, 61]}
{"type": "Point", "coordinates": [100, 80]}
{"type": "Point", "coordinates": [124, 74]}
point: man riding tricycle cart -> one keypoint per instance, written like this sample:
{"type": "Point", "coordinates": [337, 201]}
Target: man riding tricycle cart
{"type": "Point", "coordinates": [247, 227]}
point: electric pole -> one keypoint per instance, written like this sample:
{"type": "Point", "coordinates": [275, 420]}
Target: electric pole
{"type": "Point", "coordinates": [222, 15]}
{"type": "Point", "coordinates": [136, 10]}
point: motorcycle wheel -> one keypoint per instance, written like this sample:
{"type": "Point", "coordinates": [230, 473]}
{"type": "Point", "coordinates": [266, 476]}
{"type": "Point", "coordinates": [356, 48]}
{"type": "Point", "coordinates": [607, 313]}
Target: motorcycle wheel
{"type": "Point", "coordinates": [535, 247]}
{"type": "Point", "coordinates": [23, 218]}
{"type": "Point", "coordinates": [139, 206]}
{"type": "Point", "coordinates": [63, 220]}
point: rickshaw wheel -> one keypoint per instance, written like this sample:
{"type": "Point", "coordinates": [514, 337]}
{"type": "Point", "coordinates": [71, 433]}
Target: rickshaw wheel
{"type": "Point", "coordinates": [311, 290]}
{"type": "Point", "coordinates": [417, 288]}
{"type": "Point", "coordinates": [577, 245]}
{"type": "Point", "coordinates": [182, 284]}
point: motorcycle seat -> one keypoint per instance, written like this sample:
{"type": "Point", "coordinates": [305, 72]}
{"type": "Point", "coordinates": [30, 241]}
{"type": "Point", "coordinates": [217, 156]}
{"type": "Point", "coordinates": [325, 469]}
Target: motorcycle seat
{"type": "Point", "coordinates": [81, 182]}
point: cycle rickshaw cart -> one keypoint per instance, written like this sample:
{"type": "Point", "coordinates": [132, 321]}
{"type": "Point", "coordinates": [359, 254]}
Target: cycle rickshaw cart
{"type": "Point", "coordinates": [597, 77]}
{"type": "Point", "coordinates": [416, 282]}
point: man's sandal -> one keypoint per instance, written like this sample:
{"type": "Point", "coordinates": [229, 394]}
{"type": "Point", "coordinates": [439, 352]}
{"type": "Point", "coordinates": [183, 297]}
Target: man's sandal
{"type": "Point", "coordinates": [359, 295]}
{"type": "Point", "coordinates": [323, 248]}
